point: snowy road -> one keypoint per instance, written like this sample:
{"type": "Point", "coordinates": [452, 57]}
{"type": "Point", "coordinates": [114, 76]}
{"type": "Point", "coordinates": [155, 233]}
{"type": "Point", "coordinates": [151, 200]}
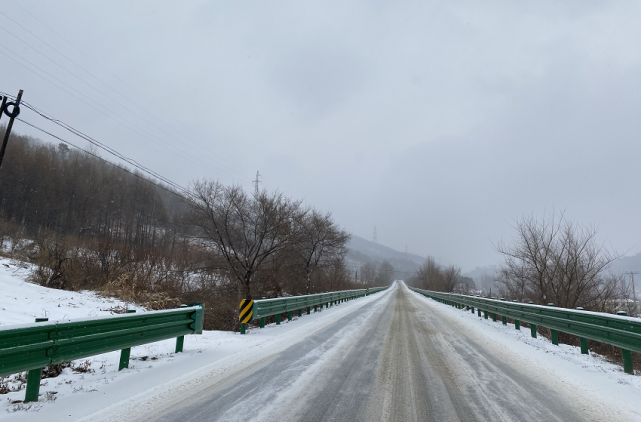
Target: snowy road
{"type": "Point", "coordinates": [400, 358]}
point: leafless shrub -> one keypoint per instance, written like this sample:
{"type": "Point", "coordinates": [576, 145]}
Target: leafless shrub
{"type": "Point", "coordinates": [51, 396]}
{"type": "Point", "coordinates": [83, 367]}
{"type": "Point", "coordinates": [53, 371]}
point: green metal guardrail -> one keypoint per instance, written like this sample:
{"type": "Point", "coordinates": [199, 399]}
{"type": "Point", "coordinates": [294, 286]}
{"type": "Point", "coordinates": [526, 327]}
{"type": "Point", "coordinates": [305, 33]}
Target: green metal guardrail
{"type": "Point", "coordinates": [618, 330]}
{"type": "Point", "coordinates": [30, 347]}
{"type": "Point", "coordinates": [278, 306]}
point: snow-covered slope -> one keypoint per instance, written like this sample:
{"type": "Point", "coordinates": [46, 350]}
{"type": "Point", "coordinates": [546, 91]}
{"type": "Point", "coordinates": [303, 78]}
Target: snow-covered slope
{"type": "Point", "coordinates": [21, 302]}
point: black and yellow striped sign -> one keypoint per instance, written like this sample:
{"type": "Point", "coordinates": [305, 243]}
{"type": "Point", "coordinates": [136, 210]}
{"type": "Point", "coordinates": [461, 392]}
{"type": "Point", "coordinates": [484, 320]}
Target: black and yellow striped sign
{"type": "Point", "coordinates": [368, 290]}
{"type": "Point", "coordinates": [246, 310]}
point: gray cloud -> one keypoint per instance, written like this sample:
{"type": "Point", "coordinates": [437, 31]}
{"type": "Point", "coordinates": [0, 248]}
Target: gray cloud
{"type": "Point", "coordinates": [438, 122]}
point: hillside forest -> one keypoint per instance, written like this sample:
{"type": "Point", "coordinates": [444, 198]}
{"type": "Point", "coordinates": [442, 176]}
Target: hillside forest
{"type": "Point", "coordinates": [84, 223]}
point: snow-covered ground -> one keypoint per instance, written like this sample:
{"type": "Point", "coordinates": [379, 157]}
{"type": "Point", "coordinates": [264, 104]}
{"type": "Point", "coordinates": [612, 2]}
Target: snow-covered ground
{"type": "Point", "coordinates": [156, 372]}
{"type": "Point", "coordinates": [583, 376]}
{"type": "Point", "coordinates": [21, 302]}
{"type": "Point", "coordinates": [154, 368]}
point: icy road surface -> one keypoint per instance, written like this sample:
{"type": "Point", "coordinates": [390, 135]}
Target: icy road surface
{"type": "Point", "coordinates": [401, 357]}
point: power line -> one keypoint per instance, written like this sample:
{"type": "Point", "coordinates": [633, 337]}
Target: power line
{"type": "Point", "coordinates": [185, 191]}
{"type": "Point", "coordinates": [119, 79]}
{"type": "Point", "coordinates": [103, 83]}
{"type": "Point", "coordinates": [174, 151]}
{"type": "Point", "coordinates": [102, 146]}
{"type": "Point", "coordinates": [98, 144]}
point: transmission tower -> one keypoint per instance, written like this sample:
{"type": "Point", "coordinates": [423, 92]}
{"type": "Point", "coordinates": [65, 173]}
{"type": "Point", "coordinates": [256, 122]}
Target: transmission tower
{"type": "Point", "coordinates": [256, 182]}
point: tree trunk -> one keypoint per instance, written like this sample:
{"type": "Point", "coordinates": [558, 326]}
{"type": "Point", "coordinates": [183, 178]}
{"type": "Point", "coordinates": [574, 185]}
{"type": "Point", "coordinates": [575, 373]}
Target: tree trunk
{"type": "Point", "coordinates": [247, 282]}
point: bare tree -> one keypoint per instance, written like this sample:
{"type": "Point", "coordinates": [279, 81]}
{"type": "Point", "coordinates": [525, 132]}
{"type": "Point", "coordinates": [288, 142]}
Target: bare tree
{"type": "Point", "coordinates": [384, 274]}
{"type": "Point", "coordinates": [554, 260]}
{"type": "Point", "coordinates": [432, 276]}
{"type": "Point", "coordinates": [428, 274]}
{"type": "Point", "coordinates": [319, 242]}
{"type": "Point", "coordinates": [465, 285]}
{"type": "Point", "coordinates": [368, 273]}
{"type": "Point", "coordinates": [247, 230]}
{"type": "Point", "coordinates": [450, 278]}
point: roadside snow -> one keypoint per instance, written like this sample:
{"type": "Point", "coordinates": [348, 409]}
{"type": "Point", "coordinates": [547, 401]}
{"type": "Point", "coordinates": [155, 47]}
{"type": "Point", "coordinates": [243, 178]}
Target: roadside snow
{"type": "Point", "coordinates": [154, 368]}
{"type": "Point", "coordinates": [579, 376]}
{"type": "Point", "coordinates": [21, 302]}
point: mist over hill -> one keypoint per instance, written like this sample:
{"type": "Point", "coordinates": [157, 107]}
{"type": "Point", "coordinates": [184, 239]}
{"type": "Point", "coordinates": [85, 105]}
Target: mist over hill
{"type": "Point", "coordinates": [483, 276]}
{"type": "Point", "coordinates": [627, 264]}
{"type": "Point", "coordinates": [362, 251]}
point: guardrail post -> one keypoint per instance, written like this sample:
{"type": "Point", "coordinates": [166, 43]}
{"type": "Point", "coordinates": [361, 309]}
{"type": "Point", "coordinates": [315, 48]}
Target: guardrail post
{"type": "Point", "coordinates": [493, 316]}
{"type": "Point", "coordinates": [504, 319]}
{"type": "Point", "coordinates": [517, 324]}
{"type": "Point", "coordinates": [533, 330]}
{"type": "Point", "coordinates": [180, 340]}
{"type": "Point", "coordinates": [314, 308]}
{"type": "Point", "coordinates": [479, 312]}
{"type": "Point", "coordinates": [308, 309]}
{"type": "Point", "coordinates": [262, 322]}
{"type": "Point", "coordinates": [485, 314]}
{"type": "Point", "coordinates": [628, 364]}
{"type": "Point", "coordinates": [125, 353]}
{"type": "Point", "coordinates": [33, 378]}
{"type": "Point", "coordinates": [472, 309]}
{"type": "Point", "coordinates": [300, 313]}
{"type": "Point", "coordinates": [277, 319]}
{"type": "Point", "coordinates": [554, 333]}
{"type": "Point", "coordinates": [289, 316]}
{"type": "Point", "coordinates": [243, 328]}
{"type": "Point", "coordinates": [583, 341]}
{"type": "Point", "coordinates": [584, 346]}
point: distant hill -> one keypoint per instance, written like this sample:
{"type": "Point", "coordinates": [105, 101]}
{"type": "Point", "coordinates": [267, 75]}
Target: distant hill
{"type": "Point", "coordinates": [361, 251]}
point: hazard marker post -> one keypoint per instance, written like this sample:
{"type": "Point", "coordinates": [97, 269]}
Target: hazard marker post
{"type": "Point", "coordinates": [246, 308]}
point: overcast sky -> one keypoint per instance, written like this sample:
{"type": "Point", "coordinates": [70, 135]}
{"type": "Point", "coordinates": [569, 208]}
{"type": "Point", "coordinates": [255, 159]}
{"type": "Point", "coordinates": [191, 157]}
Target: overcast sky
{"type": "Point", "coordinates": [438, 122]}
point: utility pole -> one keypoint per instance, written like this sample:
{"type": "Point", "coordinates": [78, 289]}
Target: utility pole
{"type": "Point", "coordinates": [14, 113]}
{"type": "Point", "coordinates": [634, 293]}
{"type": "Point", "coordinates": [256, 182]}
